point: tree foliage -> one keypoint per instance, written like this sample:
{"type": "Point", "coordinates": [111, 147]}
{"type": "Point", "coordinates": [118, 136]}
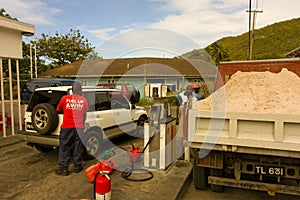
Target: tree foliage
{"type": "Point", "coordinates": [217, 53]}
{"type": "Point", "coordinates": [270, 42]}
{"type": "Point", "coordinates": [62, 49]}
{"type": "Point", "coordinates": [4, 14]}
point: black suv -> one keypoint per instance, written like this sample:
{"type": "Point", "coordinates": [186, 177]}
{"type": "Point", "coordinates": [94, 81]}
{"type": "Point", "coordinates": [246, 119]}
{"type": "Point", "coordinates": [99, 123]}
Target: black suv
{"type": "Point", "coordinates": [33, 83]}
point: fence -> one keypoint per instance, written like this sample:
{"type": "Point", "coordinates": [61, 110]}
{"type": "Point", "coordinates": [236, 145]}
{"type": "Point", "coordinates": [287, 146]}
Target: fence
{"type": "Point", "coordinates": [11, 109]}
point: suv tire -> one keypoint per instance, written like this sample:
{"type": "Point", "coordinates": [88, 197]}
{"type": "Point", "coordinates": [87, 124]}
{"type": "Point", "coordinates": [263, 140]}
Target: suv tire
{"type": "Point", "coordinates": [93, 143]}
{"type": "Point", "coordinates": [44, 118]}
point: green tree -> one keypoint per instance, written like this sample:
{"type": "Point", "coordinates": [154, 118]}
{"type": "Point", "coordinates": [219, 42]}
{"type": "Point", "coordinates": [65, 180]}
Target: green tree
{"type": "Point", "coordinates": [217, 53]}
{"type": "Point", "coordinates": [63, 49]}
{"type": "Point", "coordinates": [4, 14]}
{"type": "Point", "coordinates": [94, 56]}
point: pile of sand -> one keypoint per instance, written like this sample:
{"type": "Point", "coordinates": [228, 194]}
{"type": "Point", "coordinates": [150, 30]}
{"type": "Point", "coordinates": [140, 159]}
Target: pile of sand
{"type": "Point", "coordinates": [257, 92]}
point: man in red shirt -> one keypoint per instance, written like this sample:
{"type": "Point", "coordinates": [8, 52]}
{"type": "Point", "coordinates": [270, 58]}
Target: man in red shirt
{"type": "Point", "coordinates": [74, 108]}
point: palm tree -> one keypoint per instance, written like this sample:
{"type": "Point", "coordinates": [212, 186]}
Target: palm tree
{"type": "Point", "coordinates": [217, 53]}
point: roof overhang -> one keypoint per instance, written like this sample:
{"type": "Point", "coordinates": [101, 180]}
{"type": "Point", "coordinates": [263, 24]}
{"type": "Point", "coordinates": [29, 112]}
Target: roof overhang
{"type": "Point", "coordinates": [11, 32]}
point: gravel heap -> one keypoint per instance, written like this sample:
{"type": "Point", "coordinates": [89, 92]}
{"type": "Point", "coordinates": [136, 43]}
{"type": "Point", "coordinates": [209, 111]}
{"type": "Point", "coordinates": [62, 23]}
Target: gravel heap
{"type": "Point", "coordinates": [257, 92]}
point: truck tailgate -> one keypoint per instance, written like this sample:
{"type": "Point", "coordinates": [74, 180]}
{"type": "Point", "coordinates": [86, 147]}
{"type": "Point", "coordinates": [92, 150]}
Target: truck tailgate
{"type": "Point", "coordinates": [250, 130]}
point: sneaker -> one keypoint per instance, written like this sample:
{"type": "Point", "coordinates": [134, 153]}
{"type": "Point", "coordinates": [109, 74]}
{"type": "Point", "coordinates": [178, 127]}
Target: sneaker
{"type": "Point", "coordinates": [62, 172]}
{"type": "Point", "coordinates": [77, 170]}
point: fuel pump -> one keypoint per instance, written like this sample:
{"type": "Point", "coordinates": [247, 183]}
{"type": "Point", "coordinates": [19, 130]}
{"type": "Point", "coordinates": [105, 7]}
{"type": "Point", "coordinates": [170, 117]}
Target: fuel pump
{"type": "Point", "coordinates": [162, 129]}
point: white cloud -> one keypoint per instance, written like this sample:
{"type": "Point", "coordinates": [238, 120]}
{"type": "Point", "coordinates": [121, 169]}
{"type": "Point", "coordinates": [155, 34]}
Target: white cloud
{"type": "Point", "coordinates": [209, 20]}
{"type": "Point", "coordinates": [199, 21]}
{"type": "Point", "coordinates": [206, 20]}
{"type": "Point", "coordinates": [204, 26]}
{"type": "Point", "coordinates": [31, 11]}
{"type": "Point", "coordinates": [195, 5]}
{"type": "Point", "coordinates": [145, 42]}
{"type": "Point", "coordinates": [277, 11]}
{"type": "Point", "coordinates": [102, 34]}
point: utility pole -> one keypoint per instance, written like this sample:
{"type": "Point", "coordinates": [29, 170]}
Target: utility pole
{"type": "Point", "coordinates": [250, 8]}
{"type": "Point", "coordinates": [251, 32]}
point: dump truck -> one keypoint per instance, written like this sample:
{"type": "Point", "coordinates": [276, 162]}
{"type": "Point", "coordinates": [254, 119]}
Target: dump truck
{"type": "Point", "coordinates": [256, 151]}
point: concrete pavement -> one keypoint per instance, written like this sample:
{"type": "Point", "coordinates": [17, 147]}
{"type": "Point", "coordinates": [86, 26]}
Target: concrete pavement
{"type": "Point", "coordinates": [165, 184]}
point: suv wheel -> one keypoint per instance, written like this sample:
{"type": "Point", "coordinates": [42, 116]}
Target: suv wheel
{"type": "Point", "coordinates": [44, 118]}
{"type": "Point", "coordinates": [93, 143]}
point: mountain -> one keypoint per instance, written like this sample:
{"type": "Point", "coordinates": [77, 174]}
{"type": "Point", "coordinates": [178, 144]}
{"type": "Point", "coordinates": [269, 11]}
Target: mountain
{"type": "Point", "coordinates": [270, 42]}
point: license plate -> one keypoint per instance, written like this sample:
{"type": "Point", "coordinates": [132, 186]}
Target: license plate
{"type": "Point", "coordinates": [269, 170]}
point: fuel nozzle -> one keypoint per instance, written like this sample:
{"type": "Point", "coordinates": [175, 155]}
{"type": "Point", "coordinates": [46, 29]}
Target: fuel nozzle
{"type": "Point", "coordinates": [108, 154]}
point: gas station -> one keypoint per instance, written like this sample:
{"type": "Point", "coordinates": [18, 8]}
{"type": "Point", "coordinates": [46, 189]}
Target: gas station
{"type": "Point", "coordinates": [161, 133]}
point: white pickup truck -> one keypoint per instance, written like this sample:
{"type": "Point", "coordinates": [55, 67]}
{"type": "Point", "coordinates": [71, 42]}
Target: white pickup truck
{"type": "Point", "coordinates": [244, 150]}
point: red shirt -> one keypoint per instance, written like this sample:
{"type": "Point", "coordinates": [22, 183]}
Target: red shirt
{"type": "Point", "coordinates": [74, 106]}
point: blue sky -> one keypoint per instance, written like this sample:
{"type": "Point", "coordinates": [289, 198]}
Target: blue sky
{"type": "Point", "coordinates": [160, 28]}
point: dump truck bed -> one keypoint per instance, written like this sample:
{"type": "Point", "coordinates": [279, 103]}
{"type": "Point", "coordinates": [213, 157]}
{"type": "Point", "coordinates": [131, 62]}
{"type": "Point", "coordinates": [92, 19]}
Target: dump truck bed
{"type": "Point", "coordinates": [269, 134]}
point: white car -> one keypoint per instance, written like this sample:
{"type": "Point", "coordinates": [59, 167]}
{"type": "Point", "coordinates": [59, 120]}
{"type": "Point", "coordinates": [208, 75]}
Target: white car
{"type": "Point", "coordinates": [110, 114]}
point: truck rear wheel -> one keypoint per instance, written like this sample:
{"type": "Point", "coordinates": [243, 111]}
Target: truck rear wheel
{"type": "Point", "coordinates": [218, 173]}
{"type": "Point", "coordinates": [200, 178]}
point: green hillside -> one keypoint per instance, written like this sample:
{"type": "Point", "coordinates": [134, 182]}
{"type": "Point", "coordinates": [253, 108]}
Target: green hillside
{"type": "Point", "coordinates": [270, 42]}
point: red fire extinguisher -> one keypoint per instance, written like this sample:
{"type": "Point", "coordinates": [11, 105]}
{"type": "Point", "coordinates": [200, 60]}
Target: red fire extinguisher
{"type": "Point", "coordinates": [102, 186]}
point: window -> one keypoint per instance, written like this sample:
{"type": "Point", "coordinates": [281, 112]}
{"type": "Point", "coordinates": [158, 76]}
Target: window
{"type": "Point", "coordinates": [52, 97]}
{"type": "Point", "coordinates": [119, 101]}
{"type": "Point", "coordinates": [90, 97]}
{"type": "Point", "coordinates": [102, 101]}
{"type": "Point", "coordinates": [130, 88]}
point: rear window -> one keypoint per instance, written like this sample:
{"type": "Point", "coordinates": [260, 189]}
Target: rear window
{"type": "Point", "coordinates": [47, 96]}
